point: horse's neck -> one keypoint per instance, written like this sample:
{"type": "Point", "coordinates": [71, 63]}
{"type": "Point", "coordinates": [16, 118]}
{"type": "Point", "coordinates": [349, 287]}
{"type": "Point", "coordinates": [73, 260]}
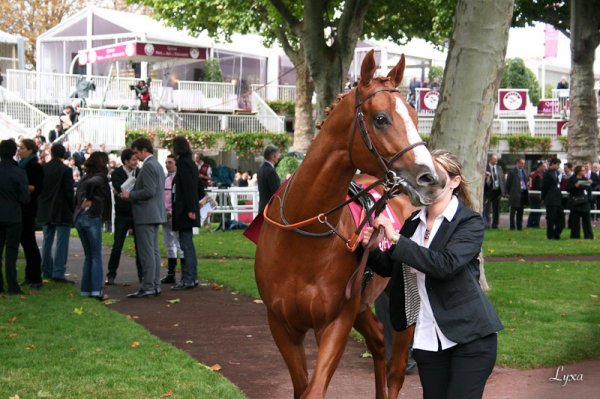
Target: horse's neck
{"type": "Point", "coordinates": [320, 183]}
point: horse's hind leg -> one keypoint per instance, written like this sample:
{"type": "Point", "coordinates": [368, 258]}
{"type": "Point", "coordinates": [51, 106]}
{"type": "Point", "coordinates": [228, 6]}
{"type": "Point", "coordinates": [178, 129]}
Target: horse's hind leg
{"type": "Point", "coordinates": [397, 364]}
{"type": "Point", "coordinates": [367, 324]}
{"type": "Point", "coordinates": [291, 346]}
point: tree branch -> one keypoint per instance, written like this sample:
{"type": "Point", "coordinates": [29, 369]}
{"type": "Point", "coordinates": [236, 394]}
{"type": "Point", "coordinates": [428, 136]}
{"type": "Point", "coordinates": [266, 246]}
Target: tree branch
{"type": "Point", "coordinates": [286, 14]}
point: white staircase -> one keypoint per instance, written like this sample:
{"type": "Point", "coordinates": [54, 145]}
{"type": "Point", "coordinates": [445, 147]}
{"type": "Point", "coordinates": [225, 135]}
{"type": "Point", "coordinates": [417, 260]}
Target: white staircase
{"type": "Point", "coordinates": [11, 128]}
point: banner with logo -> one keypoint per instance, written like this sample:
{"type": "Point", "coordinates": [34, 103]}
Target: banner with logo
{"type": "Point", "coordinates": [428, 99]}
{"type": "Point", "coordinates": [548, 106]}
{"type": "Point", "coordinates": [562, 128]}
{"type": "Point", "coordinates": [512, 100]}
{"type": "Point", "coordinates": [550, 41]}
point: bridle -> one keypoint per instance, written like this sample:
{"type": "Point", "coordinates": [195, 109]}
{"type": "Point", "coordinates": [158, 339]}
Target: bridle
{"type": "Point", "coordinates": [392, 183]}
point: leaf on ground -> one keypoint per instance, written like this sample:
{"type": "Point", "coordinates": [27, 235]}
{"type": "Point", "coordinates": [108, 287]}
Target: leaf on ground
{"type": "Point", "coordinates": [594, 297]}
{"type": "Point", "coordinates": [366, 355]}
{"type": "Point", "coordinates": [30, 347]}
{"type": "Point", "coordinates": [44, 394]}
{"type": "Point", "coordinates": [176, 325]}
{"type": "Point", "coordinates": [491, 250]}
{"type": "Point", "coordinates": [259, 301]}
{"type": "Point", "coordinates": [12, 319]}
{"type": "Point", "coordinates": [167, 394]}
{"type": "Point", "coordinates": [78, 311]}
{"type": "Point", "coordinates": [216, 367]}
{"type": "Point", "coordinates": [110, 301]}
{"type": "Point", "coordinates": [176, 300]}
{"type": "Point", "coordinates": [216, 287]}
{"type": "Point", "coordinates": [14, 397]}
{"type": "Point", "coordinates": [98, 350]}
{"type": "Point", "coordinates": [135, 344]}
{"type": "Point", "coordinates": [189, 341]}
{"type": "Point", "coordinates": [12, 335]}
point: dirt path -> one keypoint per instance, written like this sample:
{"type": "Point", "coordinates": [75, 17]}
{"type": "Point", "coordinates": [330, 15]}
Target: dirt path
{"type": "Point", "coordinates": [219, 327]}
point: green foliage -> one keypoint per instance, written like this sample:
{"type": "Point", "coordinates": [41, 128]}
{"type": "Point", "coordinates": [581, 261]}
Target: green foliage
{"type": "Point", "coordinates": [523, 142]}
{"type": "Point", "coordinates": [517, 76]}
{"type": "Point", "coordinates": [281, 107]}
{"type": "Point", "coordinates": [548, 90]}
{"type": "Point", "coordinates": [244, 144]}
{"type": "Point", "coordinates": [212, 71]}
{"type": "Point", "coordinates": [287, 166]}
{"type": "Point", "coordinates": [436, 72]}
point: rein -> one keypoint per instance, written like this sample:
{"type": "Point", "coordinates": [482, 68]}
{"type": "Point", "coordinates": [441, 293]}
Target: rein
{"type": "Point", "coordinates": [391, 181]}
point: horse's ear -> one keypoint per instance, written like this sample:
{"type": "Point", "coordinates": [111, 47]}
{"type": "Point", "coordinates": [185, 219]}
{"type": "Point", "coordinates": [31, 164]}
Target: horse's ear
{"type": "Point", "coordinates": [367, 69]}
{"type": "Point", "coordinates": [397, 73]}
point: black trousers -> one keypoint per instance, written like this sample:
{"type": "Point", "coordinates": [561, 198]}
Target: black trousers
{"type": "Point", "coordinates": [122, 225]}
{"type": "Point", "coordinates": [459, 372]}
{"type": "Point", "coordinates": [492, 203]}
{"type": "Point", "coordinates": [9, 237]}
{"type": "Point", "coordinates": [581, 219]}
{"type": "Point", "coordinates": [555, 221]}
{"type": "Point", "coordinates": [33, 259]}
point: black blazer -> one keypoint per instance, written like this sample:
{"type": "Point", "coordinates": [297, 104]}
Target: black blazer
{"type": "Point", "coordinates": [117, 178]}
{"type": "Point", "coordinates": [35, 176]}
{"type": "Point", "coordinates": [56, 201]}
{"type": "Point", "coordinates": [581, 191]}
{"type": "Point", "coordinates": [268, 183]}
{"type": "Point", "coordinates": [551, 188]}
{"type": "Point", "coordinates": [451, 265]}
{"type": "Point", "coordinates": [185, 194]}
{"type": "Point", "coordinates": [13, 191]}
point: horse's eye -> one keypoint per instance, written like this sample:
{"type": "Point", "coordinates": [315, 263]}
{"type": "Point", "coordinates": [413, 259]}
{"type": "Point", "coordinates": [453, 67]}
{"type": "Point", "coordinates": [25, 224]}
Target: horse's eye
{"type": "Point", "coordinates": [381, 120]}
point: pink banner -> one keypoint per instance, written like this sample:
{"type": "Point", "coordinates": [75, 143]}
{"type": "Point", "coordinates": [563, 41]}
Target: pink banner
{"type": "Point", "coordinates": [562, 128]}
{"type": "Point", "coordinates": [512, 100]}
{"type": "Point", "coordinates": [548, 107]}
{"type": "Point", "coordinates": [428, 99]}
{"type": "Point", "coordinates": [551, 41]}
{"type": "Point", "coordinates": [139, 51]}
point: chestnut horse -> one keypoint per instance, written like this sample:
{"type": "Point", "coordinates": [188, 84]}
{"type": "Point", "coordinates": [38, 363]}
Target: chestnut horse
{"type": "Point", "coordinates": [302, 279]}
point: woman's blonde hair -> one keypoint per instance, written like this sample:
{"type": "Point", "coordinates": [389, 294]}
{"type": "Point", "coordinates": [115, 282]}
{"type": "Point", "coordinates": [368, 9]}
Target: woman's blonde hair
{"type": "Point", "coordinates": [453, 167]}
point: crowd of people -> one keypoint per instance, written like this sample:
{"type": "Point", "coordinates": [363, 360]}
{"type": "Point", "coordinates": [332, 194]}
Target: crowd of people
{"type": "Point", "coordinates": [52, 186]}
{"type": "Point", "coordinates": [544, 186]}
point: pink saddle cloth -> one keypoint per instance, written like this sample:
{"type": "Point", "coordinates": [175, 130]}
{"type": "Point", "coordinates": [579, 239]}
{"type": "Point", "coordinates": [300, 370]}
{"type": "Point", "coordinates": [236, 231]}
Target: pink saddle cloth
{"type": "Point", "coordinates": [253, 230]}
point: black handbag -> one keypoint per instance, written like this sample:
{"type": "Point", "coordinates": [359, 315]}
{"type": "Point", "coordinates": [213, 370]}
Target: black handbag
{"type": "Point", "coordinates": [579, 200]}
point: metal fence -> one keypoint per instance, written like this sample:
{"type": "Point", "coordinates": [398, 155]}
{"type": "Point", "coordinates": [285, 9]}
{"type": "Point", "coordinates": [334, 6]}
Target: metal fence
{"type": "Point", "coordinates": [275, 92]}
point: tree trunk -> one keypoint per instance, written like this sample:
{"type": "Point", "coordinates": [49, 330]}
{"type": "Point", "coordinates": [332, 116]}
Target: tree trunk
{"type": "Point", "coordinates": [583, 120]}
{"type": "Point", "coordinates": [472, 76]}
{"type": "Point", "coordinates": [463, 119]}
{"type": "Point", "coordinates": [303, 123]}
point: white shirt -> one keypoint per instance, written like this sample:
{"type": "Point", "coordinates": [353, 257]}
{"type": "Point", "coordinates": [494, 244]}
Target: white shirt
{"type": "Point", "coordinates": [427, 330]}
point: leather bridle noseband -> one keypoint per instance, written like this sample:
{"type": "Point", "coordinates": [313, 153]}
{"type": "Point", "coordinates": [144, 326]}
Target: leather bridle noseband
{"type": "Point", "coordinates": [392, 183]}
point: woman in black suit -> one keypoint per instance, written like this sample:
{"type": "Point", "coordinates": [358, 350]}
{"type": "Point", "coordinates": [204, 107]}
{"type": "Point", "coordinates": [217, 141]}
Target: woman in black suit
{"type": "Point", "coordinates": [580, 204]}
{"type": "Point", "coordinates": [28, 160]}
{"type": "Point", "coordinates": [186, 211]}
{"type": "Point", "coordinates": [435, 264]}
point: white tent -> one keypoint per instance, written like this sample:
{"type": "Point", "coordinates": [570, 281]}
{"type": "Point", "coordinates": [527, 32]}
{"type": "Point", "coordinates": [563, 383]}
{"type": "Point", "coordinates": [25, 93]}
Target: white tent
{"type": "Point", "coordinates": [12, 51]}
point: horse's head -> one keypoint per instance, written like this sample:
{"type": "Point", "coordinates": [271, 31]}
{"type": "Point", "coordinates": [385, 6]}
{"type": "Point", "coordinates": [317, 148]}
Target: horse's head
{"type": "Point", "coordinates": [385, 135]}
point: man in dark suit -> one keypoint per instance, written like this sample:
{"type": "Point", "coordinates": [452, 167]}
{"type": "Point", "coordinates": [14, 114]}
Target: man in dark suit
{"type": "Point", "coordinates": [595, 177]}
{"type": "Point", "coordinates": [148, 208]}
{"type": "Point", "coordinates": [56, 133]}
{"type": "Point", "coordinates": [268, 180]}
{"type": "Point", "coordinates": [493, 189]}
{"type": "Point", "coordinates": [551, 195]}
{"type": "Point", "coordinates": [13, 193]}
{"type": "Point", "coordinates": [516, 187]}
{"type": "Point", "coordinates": [123, 215]}
{"type": "Point", "coordinates": [56, 205]}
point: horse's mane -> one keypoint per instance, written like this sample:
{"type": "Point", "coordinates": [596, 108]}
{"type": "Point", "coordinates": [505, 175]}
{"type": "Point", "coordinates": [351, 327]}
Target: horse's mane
{"type": "Point", "coordinates": [339, 97]}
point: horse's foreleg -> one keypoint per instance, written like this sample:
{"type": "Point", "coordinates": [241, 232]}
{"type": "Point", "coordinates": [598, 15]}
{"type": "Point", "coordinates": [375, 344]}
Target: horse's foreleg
{"type": "Point", "coordinates": [397, 365]}
{"type": "Point", "coordinates": [367, 324]}
{"type": "Point", "coordinates": [291, 346]}
{"type": "Point", "coordinates": [331, 340]}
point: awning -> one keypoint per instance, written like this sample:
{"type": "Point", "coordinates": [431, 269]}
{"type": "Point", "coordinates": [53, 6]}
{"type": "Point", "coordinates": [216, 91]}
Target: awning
{"type": "Point", "coordinates": [140, 52]}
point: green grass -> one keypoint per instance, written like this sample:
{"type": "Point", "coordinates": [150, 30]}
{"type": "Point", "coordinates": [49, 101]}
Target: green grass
{"type": "Point", "coordinates": [550, 312]}
{"type": "Point", "coordinates": [56, 344]}
{"type": "Point", "coordinates": [533, 242]}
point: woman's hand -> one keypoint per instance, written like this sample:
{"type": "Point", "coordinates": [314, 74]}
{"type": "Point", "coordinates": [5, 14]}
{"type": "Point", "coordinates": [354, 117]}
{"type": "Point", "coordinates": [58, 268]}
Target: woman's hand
{"type": "Point", "coordinates": [381, 221]}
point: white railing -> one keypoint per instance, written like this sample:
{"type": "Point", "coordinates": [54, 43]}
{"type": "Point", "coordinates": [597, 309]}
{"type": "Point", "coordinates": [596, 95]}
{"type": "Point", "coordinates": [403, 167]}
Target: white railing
{"type": "Point", "coordinates": [275, 92]}
{"type": "Point", "coordinates": [188, 121]}
{"type": "Point", "coordinates": [205, 95]}
{"type": "Point", "coordinates": [508, 127]}
{"type": "Point", "coordinates": [23, 113]}
{"type": "Point", "coordinates": [563, 102]}
{"type": "Point", "coordinates": [96, 129]}
{"type": "Point", "coordinates": [268, 118]}
{"type": "Point", "coordinates": [228, 201]}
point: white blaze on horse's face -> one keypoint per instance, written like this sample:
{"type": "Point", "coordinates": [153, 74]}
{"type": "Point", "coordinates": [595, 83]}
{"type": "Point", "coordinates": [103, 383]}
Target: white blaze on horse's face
{"type": "Point", "coordinates": [422, 155]}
